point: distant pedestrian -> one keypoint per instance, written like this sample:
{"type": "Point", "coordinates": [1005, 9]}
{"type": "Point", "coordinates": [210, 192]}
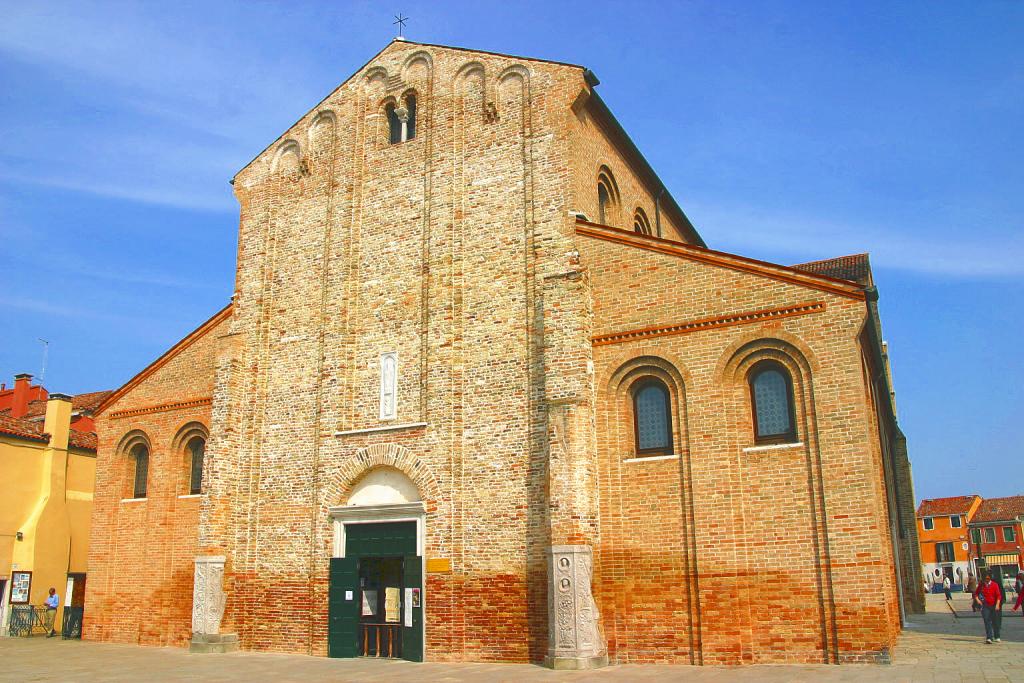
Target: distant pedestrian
{"type": "Point", "coordinates": [972, 588]}
{"type": "Point", "coordinates": [990, 599]}
{"type": "Point", "coordinates": [1018, 588]}
{"type": "Point", "coordinates": [52, 601]}
{"type": "Point", "coordinates": [947, 588]}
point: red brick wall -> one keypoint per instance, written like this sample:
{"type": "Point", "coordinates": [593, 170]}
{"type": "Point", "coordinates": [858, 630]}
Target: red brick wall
{"type": "Point", "coordinates": [141, 551]}
{"type": "Point", "coordinates": [720, 555]}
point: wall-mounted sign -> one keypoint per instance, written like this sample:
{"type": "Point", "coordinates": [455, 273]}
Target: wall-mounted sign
{"type": "Point", "coordinates": [438, 565]}
{"type": "Point", "coordinates": [21, 586]}
{"type": "Point", "coordinates": [415, 597]}
{"type": "Point", "coordinates": [408, 608]}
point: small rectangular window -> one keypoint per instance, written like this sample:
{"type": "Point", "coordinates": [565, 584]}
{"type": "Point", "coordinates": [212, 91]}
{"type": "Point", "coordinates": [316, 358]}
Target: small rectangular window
{"type": "Point", "coordinates": [929, 523]}
{"type": "Point", "coordinates": [990, 535]}
{"type": "Point", "coordinates": [943, 552]}
{"type": "Point", "coordinates": [954, 521]}
{"type": "Point", "coordinates": [976, 536]}
{"type": "Point", "coordinates": [1008, 534]}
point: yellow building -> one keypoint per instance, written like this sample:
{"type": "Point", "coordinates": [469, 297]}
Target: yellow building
{"type": "Point", "coordinates": [48, 471]}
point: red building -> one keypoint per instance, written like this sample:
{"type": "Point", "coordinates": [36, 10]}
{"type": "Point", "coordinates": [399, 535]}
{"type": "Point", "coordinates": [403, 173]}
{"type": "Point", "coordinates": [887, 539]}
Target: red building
{"type": "Point", "coordinates": [28, 401]}
{"type": "Point", "coordinates": [996, 531]}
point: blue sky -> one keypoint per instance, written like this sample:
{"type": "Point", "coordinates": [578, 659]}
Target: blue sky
{"type": "Point", "coordinates": [788, 131]}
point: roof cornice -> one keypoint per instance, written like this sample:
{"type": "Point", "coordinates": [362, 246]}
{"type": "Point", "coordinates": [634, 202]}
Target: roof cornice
{"type": "Point", "coordinates": [722, 259]}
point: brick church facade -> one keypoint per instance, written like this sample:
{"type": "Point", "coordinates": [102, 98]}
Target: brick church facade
{"type": "Point", "coordinates": [483, 393]}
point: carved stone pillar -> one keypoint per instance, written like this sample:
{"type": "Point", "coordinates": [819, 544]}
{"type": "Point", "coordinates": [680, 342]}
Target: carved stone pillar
{"type": "Point", "coordinates": [575, 640]}
{"type": "Point", "coordinates": [208, 607]}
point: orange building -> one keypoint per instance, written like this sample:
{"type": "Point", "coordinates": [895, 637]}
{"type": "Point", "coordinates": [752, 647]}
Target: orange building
{"type": "Point", "coordinates": [942, 530]}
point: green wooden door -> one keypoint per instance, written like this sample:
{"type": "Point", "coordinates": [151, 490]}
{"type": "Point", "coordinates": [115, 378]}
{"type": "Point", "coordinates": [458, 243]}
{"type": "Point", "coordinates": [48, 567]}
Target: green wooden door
{"type": "Point", "coordinates": [343, 608]}
{"type": "Point", "coordinates": [412, 637]}
{"type": "Point", "coordinates": [365, 541]}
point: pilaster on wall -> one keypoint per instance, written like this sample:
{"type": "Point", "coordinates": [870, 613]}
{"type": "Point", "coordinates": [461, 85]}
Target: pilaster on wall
{"type": "Point", "coordinates": [575, 637]}
{"type": "Point", "coordinates": [909, 559]}
{"type": "Point", "coordinates": [569, 400]}
{"type": "Point", "coordinates": [220, 463]}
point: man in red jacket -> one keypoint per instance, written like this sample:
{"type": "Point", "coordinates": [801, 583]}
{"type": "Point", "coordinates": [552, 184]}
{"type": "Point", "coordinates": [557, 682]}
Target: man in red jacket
{"type": "Point", "coordinates": [990, 598]}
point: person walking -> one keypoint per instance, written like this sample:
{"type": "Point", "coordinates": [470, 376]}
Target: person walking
{"type": "Point", "coordinates": [947, 588]}
{"type": "Point", "coordinates": [989, 598]}
{"type": "Point", "coordinates": [972, 588]}
{"type": "Point", "coordinates": [52, 601]}
{"type": "Point", "coordinates": [1018, 588]}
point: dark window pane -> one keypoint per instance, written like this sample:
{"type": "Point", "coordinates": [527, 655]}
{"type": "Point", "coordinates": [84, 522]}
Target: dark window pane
{"type": "Point", "coordinates": [653, 429]}
{"type": "Point", "coordinates": [141, 471]}
{"type": "Point", "coordinates": [394, 125]}
{"type": "Point", "coordinates": [602, 203]}
{"type": "Point", "coordinates": [990, 535]}
{"type": "Point", "coordinates": [943, 552]}
{"type": "Point", "coordinates": [197, 448]}
{"type": "Point", "coordinates": [771, 398]}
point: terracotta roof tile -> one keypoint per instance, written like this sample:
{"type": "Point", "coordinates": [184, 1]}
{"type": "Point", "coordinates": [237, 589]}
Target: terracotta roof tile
{"type": "Point", "coordinates": [999, 509]}
{"type": "Point", "coordinates": [31, 429]}
{"type": "Point", "coordinates": [84, 440]}
{"type": "Point", "coordinates": [89, 401]}
{"type": "Point", "coordinates": [855, 268]}
{"type": "Point", "coordinates": [26, 429]}
{"type": "Point", "coordinates": [955, 505]}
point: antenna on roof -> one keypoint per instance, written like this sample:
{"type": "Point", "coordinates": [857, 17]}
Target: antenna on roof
{"type": "Point", "coordinates": [400, 20]}
{"type": "Point", "coordinates": [46, 349]}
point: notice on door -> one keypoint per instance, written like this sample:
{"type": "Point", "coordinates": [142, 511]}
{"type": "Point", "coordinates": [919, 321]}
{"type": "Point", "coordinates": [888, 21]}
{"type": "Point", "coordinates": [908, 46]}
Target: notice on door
{"type": "Point", "coordinates": [408, 608]}
{"type": "Point", "coordinates": [369, 603]}
{"type": "Point", "coordinates": [392, 604]}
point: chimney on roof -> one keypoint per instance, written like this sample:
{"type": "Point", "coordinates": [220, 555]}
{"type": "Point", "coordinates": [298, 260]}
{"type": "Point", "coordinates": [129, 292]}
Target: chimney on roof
{"type": "Point", "coordinates": [20, 399]}
{"type": "Point", "coordinates": [58, 420]}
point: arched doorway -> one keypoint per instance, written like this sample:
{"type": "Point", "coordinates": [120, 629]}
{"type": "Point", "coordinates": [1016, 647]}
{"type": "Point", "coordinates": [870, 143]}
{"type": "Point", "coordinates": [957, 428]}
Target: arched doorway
{"type": "Point", "coordinates": [376, 599]}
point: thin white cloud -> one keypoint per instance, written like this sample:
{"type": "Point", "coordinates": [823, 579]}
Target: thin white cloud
{"type": "Point", "coordinates": [804, 238]}
{"type": "Point", "coordinates": [50, 308]}
{"type": "Point", "coordinates": [145, 195]}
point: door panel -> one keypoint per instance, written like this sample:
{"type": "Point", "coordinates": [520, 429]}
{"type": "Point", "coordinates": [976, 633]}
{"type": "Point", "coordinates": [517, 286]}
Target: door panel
{"type": "Point", "coordinates": [343, 608]}
{"type": "Point", "coordinates": [412, 637]}
{"type": "Point", "coordinates": [384, 539]}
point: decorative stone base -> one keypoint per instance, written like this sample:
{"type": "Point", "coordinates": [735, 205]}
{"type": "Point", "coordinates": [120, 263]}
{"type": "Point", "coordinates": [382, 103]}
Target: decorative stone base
{"type": "Point", "coordinates": [209, 642]}
{"type": "Point", "coordinates": [576, 663]}
{"type": "Point", "coordinates": [575, 640]}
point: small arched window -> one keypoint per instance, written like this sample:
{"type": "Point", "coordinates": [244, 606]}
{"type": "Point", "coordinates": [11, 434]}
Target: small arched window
{"type": "Point", "coordinates": [640, 223]}
{"type": "Point", "coordinates": [401, 119]}
{"type": "Point", "coordinates": [652, 417]}
{"type": "Point", "coordinates": [607, 196]}
{"type": "Point", "coordinates": [140, 457]}
{"type": "Point", "coordinates": [771, 398]}
{"type": "Point", "coordinates": [603, 202]}
{"type": "Point", "coordinates": [195, 449]}
{"type": "Point", "coordinates": [394, 123]}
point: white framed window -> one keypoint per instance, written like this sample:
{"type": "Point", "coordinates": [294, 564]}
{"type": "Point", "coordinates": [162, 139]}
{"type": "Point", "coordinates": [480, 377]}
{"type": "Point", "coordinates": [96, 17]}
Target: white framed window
{"type": "Point", "coordinates": [388, 385]}
{"type": "Point", "coordinates": [954, 521]}
{"type": "Point", "coordinates": [990, 535]}
{"type": "Point", "coordinates": [929, 523]}
{"type": "Point", "coordinates": [1008, 534]}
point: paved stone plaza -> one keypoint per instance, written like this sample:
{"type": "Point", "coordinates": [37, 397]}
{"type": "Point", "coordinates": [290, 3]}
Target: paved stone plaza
{"type": "Point", "coordinates": [935, 648]}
